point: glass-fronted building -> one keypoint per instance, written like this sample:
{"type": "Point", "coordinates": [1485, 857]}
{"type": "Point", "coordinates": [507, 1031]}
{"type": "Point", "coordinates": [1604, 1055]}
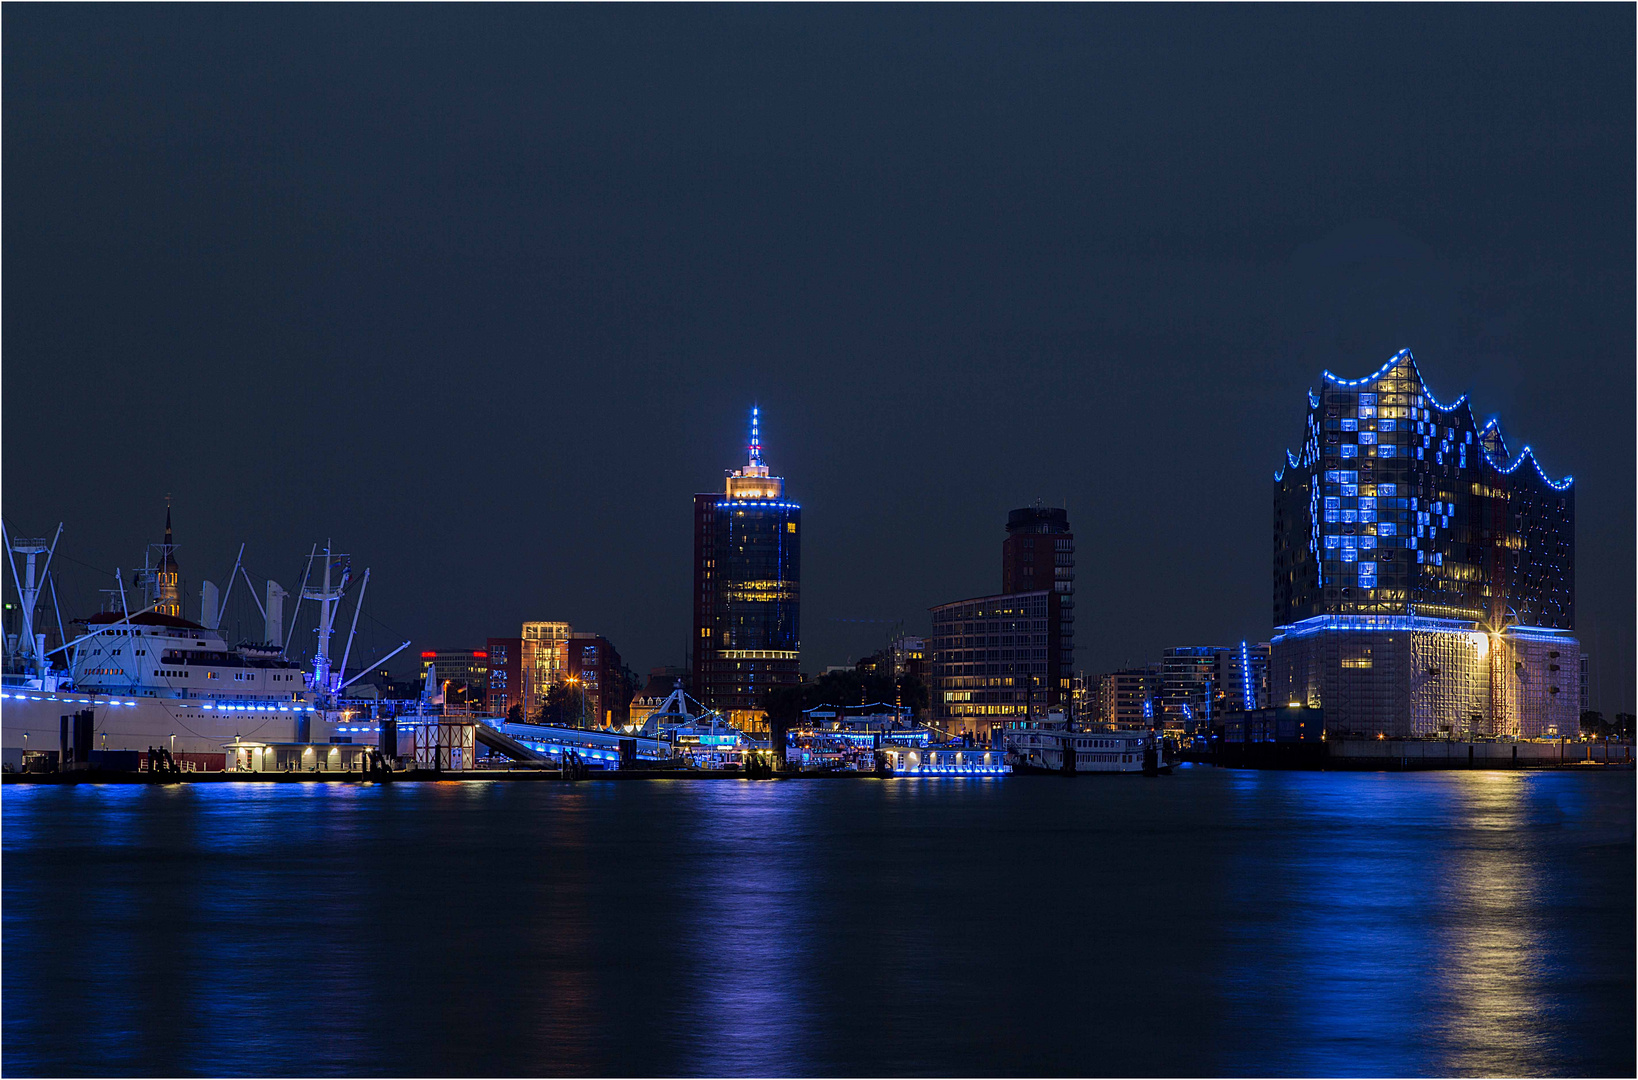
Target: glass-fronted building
{"type": "Point", "coordinates": [1424, 577]}
{"type": "Point", "coordinates": [995, 658]}
{"type": "Point", "coordinates": [747, 590]}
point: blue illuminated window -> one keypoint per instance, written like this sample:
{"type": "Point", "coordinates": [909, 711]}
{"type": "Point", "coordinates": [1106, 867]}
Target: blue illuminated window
{"type": "Point", "coordinates": [1350, 425]}
{"type": "Point", "coordinates": [1350, 490]}
{"type": "Point", "coordinates": [1385, 450]}
{"type": "Point", "coordinates": [1333, 541]}
{"type": "Point", "coordinates": [1367, 503]}
{"type": "Point", "coordinates": [1384, 425]}
{"type": "Point", "coordinates": [1366, 412]}
{"type": "Point", "coordinates": [1386, 528]}
{"type": "Point", "coordinates": [1367, 516]}
{"type": "Point", "coordinates": [1332, 476]}
{"type": "Point", "coordinates": [1333, 516]}
{"type": "Point", "coordinates": [1333, 503]}
{"type": "Point", "coordinates": [1366, 438]}
{"type": "Point", "coordinates": [1420, 454]}
{"type": "Point", "coordinates": [1350, 541]}
{"type": "Point", "coordinates": [1350, 450]}
{"type": "Point", "coordinates": [1421, 556]}
{"type": "Point", "coordinates": [1350, 515]}
{"type": "Point", "coordinates": [1367, 542]}
{"type": "Point", "coordinates": [1367, 399]}
{"type": "Point", "coordinates": [1386, 489]}
{"type": "Point", "coordinates": [1350, 477]}
{"type": "Point", "coordinates": [1349, 555]}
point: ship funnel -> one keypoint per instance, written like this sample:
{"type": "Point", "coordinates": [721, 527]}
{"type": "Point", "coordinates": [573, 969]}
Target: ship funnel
{"type": "Point", "coordinates": [275, 611]}
{"type": "Point", "coordinates": [210, 612]}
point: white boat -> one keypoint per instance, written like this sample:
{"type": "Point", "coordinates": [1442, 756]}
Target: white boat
{"type": "Point", "coordinates": [150, 679]}
{"type": "Point", "coordinates": [1045, 746]}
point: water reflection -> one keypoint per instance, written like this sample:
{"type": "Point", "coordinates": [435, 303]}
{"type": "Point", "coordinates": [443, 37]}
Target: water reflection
{"type": "Point", "coordinates": [1217, 922]}
{"type": "Point", "coordinates": [1493, 1009]}
{"type": "Point", "coordinates": [751, 923]}
{"type": "Point", "coordinates": [1395, 927]}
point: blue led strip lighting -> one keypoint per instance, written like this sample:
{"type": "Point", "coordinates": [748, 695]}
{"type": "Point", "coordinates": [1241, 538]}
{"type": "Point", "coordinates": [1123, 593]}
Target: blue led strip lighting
{"type": "Point", "coordinates": [1245, 676]}
{"type": "Point", "coordinates": [1556, 485]}
{"type": "Point", "coordinates": [1402, 354]}
{"type": "Point", "coordinates": [1422, 623]}
{"type": "Point", "coordinates": [1381, 371]}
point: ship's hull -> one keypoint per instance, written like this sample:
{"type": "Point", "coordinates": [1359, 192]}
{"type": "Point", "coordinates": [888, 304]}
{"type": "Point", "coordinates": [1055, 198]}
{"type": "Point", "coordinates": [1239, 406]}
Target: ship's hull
{"type": "Point", "coordinates": [137, 723]}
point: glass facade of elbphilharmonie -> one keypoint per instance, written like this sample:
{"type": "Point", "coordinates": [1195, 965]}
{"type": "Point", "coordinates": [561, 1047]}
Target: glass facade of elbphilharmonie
{"type": "Point", "coordinates": [1424, 578]}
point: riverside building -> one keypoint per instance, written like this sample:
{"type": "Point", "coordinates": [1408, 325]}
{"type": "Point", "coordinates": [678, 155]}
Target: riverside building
{"type": "Point", "coordinates": [995, 658]}
{"type": "Point", "coordinates": [1009, 656]}
{"type": "Point", "coordinates": [1424, 576]}
{"type": "Point", "coordinates": [1039, 553]}
{"type": "Point", "coordinates": [747, 590]}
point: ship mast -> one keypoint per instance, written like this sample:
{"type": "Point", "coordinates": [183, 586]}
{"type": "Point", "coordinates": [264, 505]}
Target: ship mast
{"type": "Point", "coordinates": [328, 596]}
{"type": "Point", "coordinates": [30, 646]}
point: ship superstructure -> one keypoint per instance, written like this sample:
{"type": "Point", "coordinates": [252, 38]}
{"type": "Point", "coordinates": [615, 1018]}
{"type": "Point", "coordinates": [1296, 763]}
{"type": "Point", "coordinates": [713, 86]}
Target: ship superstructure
{"type": "Point", "coordinates": [152, 678]}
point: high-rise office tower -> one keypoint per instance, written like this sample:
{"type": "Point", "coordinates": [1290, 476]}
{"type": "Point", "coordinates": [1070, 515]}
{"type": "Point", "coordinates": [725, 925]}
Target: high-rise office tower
{"type": "Point", "coordinates": [747, 589]}
{"type": "Point", "coordinates": [1424, 578]}
{"type": "Point", "coordinates": [1039, 553]}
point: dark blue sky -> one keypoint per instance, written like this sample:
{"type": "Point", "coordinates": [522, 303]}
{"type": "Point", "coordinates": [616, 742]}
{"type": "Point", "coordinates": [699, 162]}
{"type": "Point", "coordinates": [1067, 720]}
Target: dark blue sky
{"type": "Point", "coordinates": [484, 292]}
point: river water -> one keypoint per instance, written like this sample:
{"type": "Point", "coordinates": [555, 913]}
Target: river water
{"type": "Point", "coordinates": [1211, 922]}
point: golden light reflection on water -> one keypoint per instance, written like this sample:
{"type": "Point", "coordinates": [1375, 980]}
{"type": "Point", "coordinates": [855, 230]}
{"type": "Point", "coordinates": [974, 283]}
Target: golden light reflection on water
{"type": "Point", "coordinates": [1489, 964]}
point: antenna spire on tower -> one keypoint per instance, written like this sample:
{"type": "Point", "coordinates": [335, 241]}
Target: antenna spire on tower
{"type": "Point", "coordinates": [756, 436]}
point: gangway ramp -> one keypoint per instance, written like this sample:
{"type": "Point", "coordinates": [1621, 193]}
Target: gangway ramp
{"type": "Point", "coordinates": [608, 749]}
{"type": "Point", "coordinates": [503, 743]}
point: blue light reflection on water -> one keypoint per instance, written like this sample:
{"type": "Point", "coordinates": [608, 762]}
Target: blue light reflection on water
{"type": "Point", "coordinates": [1208, 923]}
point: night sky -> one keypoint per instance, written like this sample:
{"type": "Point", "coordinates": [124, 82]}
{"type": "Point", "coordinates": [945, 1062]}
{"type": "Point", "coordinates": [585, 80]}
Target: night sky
{"type": "Point", "coordinates": [485, 293]}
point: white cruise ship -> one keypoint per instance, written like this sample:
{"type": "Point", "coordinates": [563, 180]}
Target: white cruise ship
{"type": "Point", "coordinates": [153, 679]}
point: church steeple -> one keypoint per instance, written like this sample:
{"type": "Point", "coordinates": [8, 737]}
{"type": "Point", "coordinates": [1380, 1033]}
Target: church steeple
{"type": "Point", "coordinates": [167, 577]}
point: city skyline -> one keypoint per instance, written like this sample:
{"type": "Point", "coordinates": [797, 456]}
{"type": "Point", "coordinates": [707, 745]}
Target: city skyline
{"type": "Point", "coordinates": [583, 539]}
{"type": "Point", "coordinates": [929, 361]}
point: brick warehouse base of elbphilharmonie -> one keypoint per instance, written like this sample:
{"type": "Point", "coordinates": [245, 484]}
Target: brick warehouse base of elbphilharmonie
{"type": "Point", "coordinates": [1424, 579]}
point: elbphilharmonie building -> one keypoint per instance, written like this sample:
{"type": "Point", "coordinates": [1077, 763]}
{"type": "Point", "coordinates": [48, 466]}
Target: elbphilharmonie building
{"type": "Point", "coordinates": [1424, 575]}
